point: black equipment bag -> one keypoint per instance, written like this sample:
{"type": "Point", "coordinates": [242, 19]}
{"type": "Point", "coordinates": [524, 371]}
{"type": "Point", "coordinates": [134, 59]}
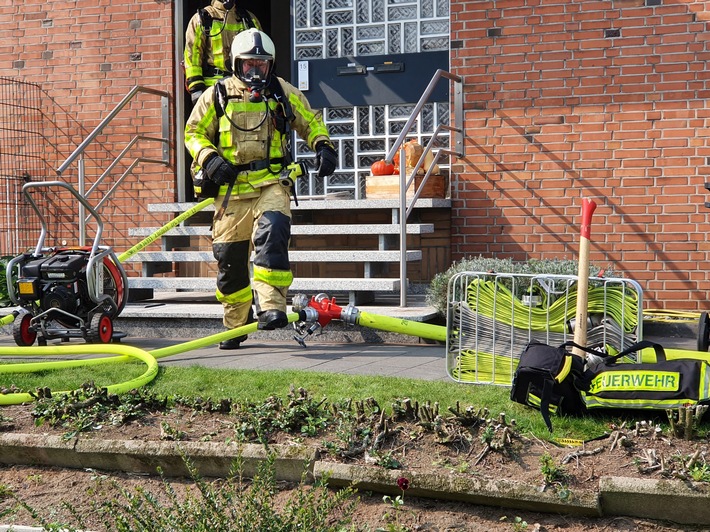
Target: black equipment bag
{"type": "Point", "coordinates": [550, 379]}
{"type": "Point", "coordinates": [666, 383]}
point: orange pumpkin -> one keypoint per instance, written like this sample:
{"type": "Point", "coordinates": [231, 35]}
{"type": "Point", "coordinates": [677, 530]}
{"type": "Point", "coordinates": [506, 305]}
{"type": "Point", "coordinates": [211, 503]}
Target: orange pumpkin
{"type": "Point", "coordinates": [382, 167]}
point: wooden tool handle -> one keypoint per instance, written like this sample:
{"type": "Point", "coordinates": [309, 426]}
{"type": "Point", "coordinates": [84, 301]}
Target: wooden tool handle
{"type": "Point", "coordinates": [580, 323]}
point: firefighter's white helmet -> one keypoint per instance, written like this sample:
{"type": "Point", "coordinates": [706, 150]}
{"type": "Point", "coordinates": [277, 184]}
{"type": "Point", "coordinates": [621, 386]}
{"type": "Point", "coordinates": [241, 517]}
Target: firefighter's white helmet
{"type": "Point", "coordinates": [253, 55]}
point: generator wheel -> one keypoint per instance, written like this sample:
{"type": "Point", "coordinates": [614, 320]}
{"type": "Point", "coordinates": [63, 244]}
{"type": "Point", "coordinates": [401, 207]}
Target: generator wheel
{"type": "Point", "coordinates": [100, 329]}
{"type": "Point", "coordinates": [21, 332]}
{"type": "Point", "coordinates": [703, 332]}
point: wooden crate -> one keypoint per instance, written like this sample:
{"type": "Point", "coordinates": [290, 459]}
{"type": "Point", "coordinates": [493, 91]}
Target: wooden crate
{"type": "Point", "coordinates": [387, 186]}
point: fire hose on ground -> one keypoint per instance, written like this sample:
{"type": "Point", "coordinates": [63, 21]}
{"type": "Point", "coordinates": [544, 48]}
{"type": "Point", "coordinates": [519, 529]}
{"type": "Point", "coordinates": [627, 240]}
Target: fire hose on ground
{"type": "Point", "coordinates": [309, 315]}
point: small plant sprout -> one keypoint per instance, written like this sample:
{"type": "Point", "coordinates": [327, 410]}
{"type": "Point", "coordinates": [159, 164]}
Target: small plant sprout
{"type": "Point", "coordinates": [519, 525]}
{"type": "Point", "coordinates": [554, 475]}
{"type": "Point", "coordinates": [396, 505]}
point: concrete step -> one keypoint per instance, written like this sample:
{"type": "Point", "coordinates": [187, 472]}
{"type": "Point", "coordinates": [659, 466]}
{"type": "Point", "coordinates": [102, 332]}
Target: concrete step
{"type": "Point", "coordinates": [315, 284]}
{"type": "Point", "coordinates": [300, 229]}
{"type": "Point", "coordinates": [321, 204]}
{"type": "Point", "coordinates": [353, 255]}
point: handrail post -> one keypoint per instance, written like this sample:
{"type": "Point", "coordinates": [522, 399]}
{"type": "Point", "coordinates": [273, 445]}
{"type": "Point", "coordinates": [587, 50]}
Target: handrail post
{"type": "Point", "coordinates": [458, 117]}
{"type": "Point", "coordinates": [78, 153]}
{"type": "Point", "coordinates": [403, 182]}
{"type": "Point", "coordinates": [402, 228]}
{"type": "Point", "coordinates": [82, 209]}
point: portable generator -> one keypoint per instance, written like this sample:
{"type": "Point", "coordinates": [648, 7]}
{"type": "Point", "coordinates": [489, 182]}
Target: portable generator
{"type": "Point", "coordinates": [66, 292]}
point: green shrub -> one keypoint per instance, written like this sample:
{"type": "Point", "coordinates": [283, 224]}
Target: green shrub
{"type": "Point", "coordinates": [436, 295]}
{"type": "Point", "coordinates": [235, 504]}
{"type": "Point", "coordinates": [4, 295]}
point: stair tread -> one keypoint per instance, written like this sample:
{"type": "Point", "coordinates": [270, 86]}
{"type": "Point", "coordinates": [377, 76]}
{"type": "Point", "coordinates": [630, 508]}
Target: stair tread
{"type": "Point", "coordinates": [353, 255]}
{"type": "Point", "coordinates": [300, 229]}
{"type": "Point", "coordinates": [319, 204]}
{"type": "Point", "coordinates": [299, 283]}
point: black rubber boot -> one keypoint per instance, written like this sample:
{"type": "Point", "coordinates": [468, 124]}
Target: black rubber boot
{"type": "Point", "coordinates": [272, 319]}
{"type": "Point", "coordinates": [233, 343]}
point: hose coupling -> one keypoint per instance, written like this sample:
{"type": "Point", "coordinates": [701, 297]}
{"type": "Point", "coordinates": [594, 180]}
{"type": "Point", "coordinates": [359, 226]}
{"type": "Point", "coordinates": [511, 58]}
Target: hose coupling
{"type": "Point", "coordinates": [350, 315]}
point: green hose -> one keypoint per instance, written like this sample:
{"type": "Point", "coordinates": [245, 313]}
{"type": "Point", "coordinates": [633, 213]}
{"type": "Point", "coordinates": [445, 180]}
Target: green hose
{"type": "Point", "coordinates": [494, 300]}
{"type": "Point", "coordinates": [7, 320]}
{"type": "Point", "coordinates": [128, 352]}
{"type": "Point", "coordinates": [160, 232]}
{"type": "Point", "coordinates": [398, 325]}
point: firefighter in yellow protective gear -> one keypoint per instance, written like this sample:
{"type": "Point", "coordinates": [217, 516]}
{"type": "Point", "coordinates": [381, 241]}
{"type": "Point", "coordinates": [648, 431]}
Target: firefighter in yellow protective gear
{"type": "Point", "coordinates": [208, 42]}
{"type": "Point", "coordinates": [239, 134]}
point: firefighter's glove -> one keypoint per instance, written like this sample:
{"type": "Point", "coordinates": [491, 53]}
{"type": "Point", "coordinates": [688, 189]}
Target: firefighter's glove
{"type": "Point", "coordinates": [194, 96]}
{"type": "Point", "coordinates": [326, 158]}
{"type": "Point", "coordinates": [219, 170]}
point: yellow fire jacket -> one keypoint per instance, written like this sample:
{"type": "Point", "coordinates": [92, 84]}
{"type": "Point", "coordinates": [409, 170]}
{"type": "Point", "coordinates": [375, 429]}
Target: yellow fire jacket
{"type": "Point", "coordinates": [247, 132]}
{"type": "Point", "coordinates": [207, 48]}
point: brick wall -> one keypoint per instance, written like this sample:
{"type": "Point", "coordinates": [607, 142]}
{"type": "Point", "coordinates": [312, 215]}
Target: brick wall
{"type": "Point", "coordinates": [564, 100]}
{"type": "Point", "coordinates": [604, 100]}
{"type": "Point", "coordinates": [86, 56]}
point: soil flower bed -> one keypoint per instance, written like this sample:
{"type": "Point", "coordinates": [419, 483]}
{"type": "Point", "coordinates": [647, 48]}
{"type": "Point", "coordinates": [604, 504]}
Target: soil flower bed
{"type": "Point", "coordinates": [405, 438]}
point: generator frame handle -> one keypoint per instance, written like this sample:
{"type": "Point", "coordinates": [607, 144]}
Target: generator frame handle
{"type": "Point", "coordinates": [43, 234]}
{"type": "Point", "coordinates": [95, 258]}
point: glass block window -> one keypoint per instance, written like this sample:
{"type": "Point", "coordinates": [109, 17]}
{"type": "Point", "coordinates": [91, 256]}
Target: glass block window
{"type": "Point", "coordinates": [380, 27]}
{"type": "Point", "coordinates": [328, 29]}
{"type": "Point", "coordinates": [363, 135]}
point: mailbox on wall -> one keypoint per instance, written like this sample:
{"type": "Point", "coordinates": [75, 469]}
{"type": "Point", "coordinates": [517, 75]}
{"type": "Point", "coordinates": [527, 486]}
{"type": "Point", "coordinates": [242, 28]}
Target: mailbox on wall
{"type": "Point", "coordinates": [370, 80]}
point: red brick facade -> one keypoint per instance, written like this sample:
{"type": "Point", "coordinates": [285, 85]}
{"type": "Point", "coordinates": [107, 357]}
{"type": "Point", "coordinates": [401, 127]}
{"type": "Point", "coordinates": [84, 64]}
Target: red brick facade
{"type": "Point", "coordinates": [86, 56]}
{"type": "Point", "coordinates": [604, 100]}
{"type": "Point", "coordinates": [564, 100]}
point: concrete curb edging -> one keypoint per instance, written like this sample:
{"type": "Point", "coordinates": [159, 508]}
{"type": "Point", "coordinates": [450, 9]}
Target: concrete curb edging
{"type": "Point", "coordinates": [674, 500]}
{"type": "Point", "coordinates": [212, 459]}
{"type": "Point", "coordinates": [489, 492]}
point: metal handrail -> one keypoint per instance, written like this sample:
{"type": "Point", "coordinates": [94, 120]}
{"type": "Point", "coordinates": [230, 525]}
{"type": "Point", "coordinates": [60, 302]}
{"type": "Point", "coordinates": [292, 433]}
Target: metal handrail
{"type": "Point", "coordinates": [78, 153]}
{"type": "Point", "coordinates": [405, 183]}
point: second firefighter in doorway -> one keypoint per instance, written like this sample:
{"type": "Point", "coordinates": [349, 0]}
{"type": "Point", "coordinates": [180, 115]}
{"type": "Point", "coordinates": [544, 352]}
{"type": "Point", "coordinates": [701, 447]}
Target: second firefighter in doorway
{"type": "Point", "coordinates": [208, 41]}
{"type": "Point", "coordinates": [239, 133]}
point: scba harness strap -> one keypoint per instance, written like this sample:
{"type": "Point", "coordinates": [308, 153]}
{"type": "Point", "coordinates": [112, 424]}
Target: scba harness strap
{"type": "Point", "coordinates": [275, 90]}
{"type": "Point", "coordinates": [206, 19]}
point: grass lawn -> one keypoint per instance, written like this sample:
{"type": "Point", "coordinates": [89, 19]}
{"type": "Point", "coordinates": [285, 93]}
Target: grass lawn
{"type": "Point", "coordinates": [253, 386]}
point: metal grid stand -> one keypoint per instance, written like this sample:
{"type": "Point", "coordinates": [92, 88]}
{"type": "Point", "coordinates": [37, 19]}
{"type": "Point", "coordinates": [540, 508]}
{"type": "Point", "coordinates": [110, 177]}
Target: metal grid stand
{"type": "Point", "coordinates": [493, 316]}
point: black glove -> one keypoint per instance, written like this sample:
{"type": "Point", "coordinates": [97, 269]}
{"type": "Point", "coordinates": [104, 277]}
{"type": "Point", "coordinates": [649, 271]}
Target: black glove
{"type": "Point", "coordinates": [326, 158]}
{"type": "Point", "coordinates": [219, 170]}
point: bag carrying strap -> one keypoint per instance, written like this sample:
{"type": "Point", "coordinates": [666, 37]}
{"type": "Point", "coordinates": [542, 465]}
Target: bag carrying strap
{"type": "Point", "coordinates": [545, 397]}
{"type": "Point", "coordinates": [658, 348]}
{"type": "Point", "coordinates": [589, 350]}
